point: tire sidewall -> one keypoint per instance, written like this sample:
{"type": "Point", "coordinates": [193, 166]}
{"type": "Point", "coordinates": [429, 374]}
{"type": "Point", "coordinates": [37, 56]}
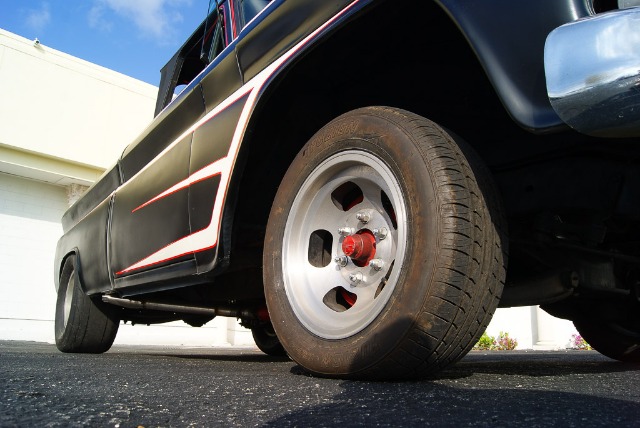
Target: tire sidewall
{"type": "Point", "coordinates": [610, 339]}
{"type": "Point", "coordinates": [63, 331]}
{"type": "Point", "coordinates": [266, 340]}
{"type": "Point", "coordinates": [92, 326]}
{"type": "Point", "coordinates": [377, 135]}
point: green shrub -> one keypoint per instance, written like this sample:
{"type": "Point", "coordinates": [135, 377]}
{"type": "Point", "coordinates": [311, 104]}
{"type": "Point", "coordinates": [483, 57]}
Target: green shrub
{"type": "Point", "coordinates": [485, 343]}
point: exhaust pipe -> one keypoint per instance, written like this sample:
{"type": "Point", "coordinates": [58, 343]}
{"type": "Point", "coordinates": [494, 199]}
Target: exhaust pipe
{"type": "Point", "coordinates": [183, 309]}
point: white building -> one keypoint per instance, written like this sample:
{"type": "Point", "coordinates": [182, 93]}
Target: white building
{"type": "Point", "coordinates": [63, 121]}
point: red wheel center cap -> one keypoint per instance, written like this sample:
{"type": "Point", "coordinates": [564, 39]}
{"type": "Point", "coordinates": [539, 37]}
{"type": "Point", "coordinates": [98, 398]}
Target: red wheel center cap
{"type": "Point", "coordinates": [360, 247]}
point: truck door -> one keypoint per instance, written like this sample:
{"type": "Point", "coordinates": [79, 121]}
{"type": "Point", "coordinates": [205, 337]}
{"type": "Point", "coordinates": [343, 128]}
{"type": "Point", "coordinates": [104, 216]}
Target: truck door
{"type": "Point", "coordinates": [150, 211]}
{"type": "Point", "coordinates": [150, 231]}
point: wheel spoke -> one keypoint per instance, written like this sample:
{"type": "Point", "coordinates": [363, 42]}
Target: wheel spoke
{"type": "Point", "coordinates": [326, 297]}
{"type": "Point", "coordinates": [326, 216]}
{"type": "Point", "coordinates": [372, 196]}
{"type": "Point", "coordinates": [324, 280]}
{"type": "Point", "coordinates": [373, 199]}
{"type": "Point", "coordinates": [365, 294]}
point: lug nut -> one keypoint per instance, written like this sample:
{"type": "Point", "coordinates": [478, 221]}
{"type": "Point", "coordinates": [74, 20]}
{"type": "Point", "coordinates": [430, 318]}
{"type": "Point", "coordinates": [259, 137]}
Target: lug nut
{"type": "Point", "coordinates": [376, 264]}
{"type": "Point", "coordinates": [381, 233]}
{"type": "Point", "coordinates": [363, 216]}
{"type": "Point", "coordinates": [341, 260]}
{"type": "Point", "coordinates": [355, 278]}
{"type": "Point", "coordinates": [346, 231]}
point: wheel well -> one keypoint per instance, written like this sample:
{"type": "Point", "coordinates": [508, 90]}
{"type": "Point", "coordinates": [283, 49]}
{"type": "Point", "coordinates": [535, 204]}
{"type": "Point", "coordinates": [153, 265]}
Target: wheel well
{"type": "Point", "coordinates": [63, 262]}
{"type": "Point", "coordinates": [365, 62]}
{"type": "Point", "coordinates": [77, 267]}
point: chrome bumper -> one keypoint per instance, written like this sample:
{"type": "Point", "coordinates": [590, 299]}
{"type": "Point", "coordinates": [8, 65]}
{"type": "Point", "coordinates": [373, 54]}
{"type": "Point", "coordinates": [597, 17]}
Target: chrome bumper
{"type": "Point", "coordinates": [592, 69]}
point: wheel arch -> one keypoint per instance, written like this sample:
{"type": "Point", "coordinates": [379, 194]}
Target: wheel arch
{"type": "Point", "coordinates": [89, 239]}
{"type": "Point", "coordinates": [331, 78]}
{"type": "Point", "coordinates": [74, 252]}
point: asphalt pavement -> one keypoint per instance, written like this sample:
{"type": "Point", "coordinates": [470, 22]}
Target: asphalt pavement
{"type": "Point", "coordinates": [148, 387]}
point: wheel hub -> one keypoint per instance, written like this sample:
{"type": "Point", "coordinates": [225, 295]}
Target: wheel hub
{"type": "Point", "coordinates": [360, 247]}
{"type": "Point", "coordinates": [341, 242]}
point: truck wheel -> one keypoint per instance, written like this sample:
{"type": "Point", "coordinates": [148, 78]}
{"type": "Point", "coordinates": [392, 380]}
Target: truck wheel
{"type": "Point", "coordinates": [267, 341]}
{"type": "Point", "coordinates": [617, 341]}
{"type": "Point", "coordinates": [81, 324]}
{"type": "Point", "coordinates": [384, 255]}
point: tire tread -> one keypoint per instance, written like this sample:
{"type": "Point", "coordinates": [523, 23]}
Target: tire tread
{"type": "Point", "coordinates": [470, 270]}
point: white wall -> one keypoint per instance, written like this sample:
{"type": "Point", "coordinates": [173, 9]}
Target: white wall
{"type": "Point", "coordinates": [532, 327]}
{"type": "Point", "coordinates": [29, 229]}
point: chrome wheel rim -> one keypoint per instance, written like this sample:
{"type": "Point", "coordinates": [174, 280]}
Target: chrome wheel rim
{"type": "Point", "coordinates": [335, 288]}
{"type": "Point", "coordinates": [68, 298]}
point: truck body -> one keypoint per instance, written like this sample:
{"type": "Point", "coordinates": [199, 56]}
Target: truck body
{"type": "Point", "coordinates": [529, 110]}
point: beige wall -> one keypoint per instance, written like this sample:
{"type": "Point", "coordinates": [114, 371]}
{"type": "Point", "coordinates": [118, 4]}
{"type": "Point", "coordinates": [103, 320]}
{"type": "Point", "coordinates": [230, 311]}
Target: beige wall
{"type": "Point", "coordinates": [63, 107]}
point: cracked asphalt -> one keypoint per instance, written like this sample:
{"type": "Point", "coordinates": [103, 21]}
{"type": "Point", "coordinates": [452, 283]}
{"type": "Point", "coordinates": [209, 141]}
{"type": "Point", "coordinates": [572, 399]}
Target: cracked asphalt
{"type": "Point", "coordinates": [133, 386]}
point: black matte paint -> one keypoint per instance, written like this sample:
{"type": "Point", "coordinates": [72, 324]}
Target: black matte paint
{"type": "Point", "coordinates": [97, 193]}
{"type": "Point", "coordinates": [279, 31]}
{"type": "Point", "coordinates": [507, 36]}
{"type": "Point", "coordinates": [88, 239]}
{"type": "Point", "coordinates": [137, 234]}
{"type": "Point", "coordinates": [165, 129]}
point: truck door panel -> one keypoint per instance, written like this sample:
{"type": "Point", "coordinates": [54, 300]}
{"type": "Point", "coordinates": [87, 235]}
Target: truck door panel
{"type": "Point", "coordinates": [170, 124]}
{"type": "Point", "coordinates": [147, 215]}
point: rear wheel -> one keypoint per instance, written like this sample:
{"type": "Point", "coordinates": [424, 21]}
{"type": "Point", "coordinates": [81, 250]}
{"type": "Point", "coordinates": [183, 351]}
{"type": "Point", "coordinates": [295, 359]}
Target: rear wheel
{"type": "Point", "coordinates": [619, 340]}
{"type": "Point", "coordinates": [267, 341]}
{"type": "Point", "coordinates": [384, 255]}
{"type": "Point", "coordinates": [81, 324]}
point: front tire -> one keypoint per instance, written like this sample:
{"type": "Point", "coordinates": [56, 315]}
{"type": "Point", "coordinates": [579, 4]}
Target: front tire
{"type": "Point", "coordinates": [384, 256]}
{"type": "Point", "coordinates": [81, 323]}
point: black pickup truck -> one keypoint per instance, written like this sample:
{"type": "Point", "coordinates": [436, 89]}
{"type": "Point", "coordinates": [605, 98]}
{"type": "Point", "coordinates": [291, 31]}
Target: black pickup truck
{"type": "Point", "coordinates": [363, 182]}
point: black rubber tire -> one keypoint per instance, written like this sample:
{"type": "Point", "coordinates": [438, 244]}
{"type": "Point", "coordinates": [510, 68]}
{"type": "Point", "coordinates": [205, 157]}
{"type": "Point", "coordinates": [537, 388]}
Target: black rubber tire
{"type": "Point", "coordinates": [267, 341]}
{"type": "Point", "coordinates": [454, 264]}
{"type": "Point", "coordinates": [611, 339]}
{"type": "Point", "coordinates": [82, 324]}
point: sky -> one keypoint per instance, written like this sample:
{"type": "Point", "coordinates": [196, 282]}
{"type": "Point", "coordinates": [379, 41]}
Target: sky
{"type": "Point", "coordinates": [133, 37]}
